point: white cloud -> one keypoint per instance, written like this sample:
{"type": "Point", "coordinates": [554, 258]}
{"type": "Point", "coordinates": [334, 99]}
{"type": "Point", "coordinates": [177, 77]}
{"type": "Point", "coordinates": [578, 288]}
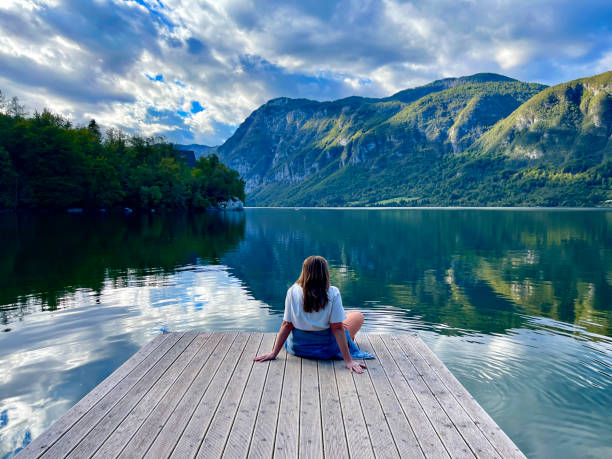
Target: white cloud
{"type": "Point", "coordinates": [512, 55]}
{"type": "Point", "coordinates": [89, 59]}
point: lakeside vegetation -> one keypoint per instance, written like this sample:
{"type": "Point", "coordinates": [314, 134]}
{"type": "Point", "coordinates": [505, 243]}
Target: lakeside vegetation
{"type": "Point", "coordinates": [466, 179]}
{"type": "Point", "coordinates": [481, 140]}
{"type": "Point", "coordinates": [47, 163]}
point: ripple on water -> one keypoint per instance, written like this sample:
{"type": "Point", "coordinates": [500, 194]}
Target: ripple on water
{"type": "Point", "coordinates": [516, 304]}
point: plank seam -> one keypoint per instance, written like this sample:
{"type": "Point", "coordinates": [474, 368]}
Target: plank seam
{"type": "Point", "coordinates": [348, 449]}
{"type": "Point", "coordinates": [361, 409]}
{"type": "Point", "coordinates": [128, 392]}
{"type": "Point", "coordinates": [477, 424]}
{"type": "Point", "coordinates": [217, 369]}
{"type": "Point", "coordinates": [381, 408]}
{"type": "Point", "coordinates": [465, 439]}
{"type": "Point", "coordinates": [280, 394]}
{"type": "Point", "coordinates": [416, 398]}
{"type": "Point", "coordinates": [437, 387]}
{"type": "Point", "coordinates": [114, 404]}
{"type": "Point", "coordinates": [398, 400]}
{"type": "Point", "coordinates": [185, 393]}
{"type": "Point", "coordinates": [258, 404]}
{"type": "Point", "coordinates": [320, 412]}
{"type": "Point", "coordinates": [48, 446]}
{"type": "Point", "coordinates": [220, 399]}
{"type": "Point", "coordinates": [210, 335]}
{"type": "Point", "coordinates": [246, 382]}
{"type": "Point", "coordinates": [178, 402]}
{"type": "Point", "coordinates": [300, 409]}
{"type": "Point", "coordinates": [153, 386]}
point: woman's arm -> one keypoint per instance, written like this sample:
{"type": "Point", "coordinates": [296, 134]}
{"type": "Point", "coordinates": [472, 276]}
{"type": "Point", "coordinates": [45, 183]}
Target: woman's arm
{"type": "Point", "coordinates": [283, 333]}
{"type": "Point", "coordinates": [337, 329]}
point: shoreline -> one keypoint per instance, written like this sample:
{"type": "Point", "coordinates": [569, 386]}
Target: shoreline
{"type": "Point", "coordinates": [559, 208]}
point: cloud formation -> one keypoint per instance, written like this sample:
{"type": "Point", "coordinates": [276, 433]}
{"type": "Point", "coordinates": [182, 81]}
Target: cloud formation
{"type": "Point", "coordinates": [193, 70]}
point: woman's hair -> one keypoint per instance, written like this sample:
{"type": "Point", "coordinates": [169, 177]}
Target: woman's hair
{"type": "Point", "coordinates": [314, 281]}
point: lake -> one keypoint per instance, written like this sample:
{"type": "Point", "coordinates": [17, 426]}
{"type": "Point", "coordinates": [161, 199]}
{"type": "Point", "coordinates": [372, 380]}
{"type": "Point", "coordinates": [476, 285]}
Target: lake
{"type": "Point", "coordinates": [517, 303]}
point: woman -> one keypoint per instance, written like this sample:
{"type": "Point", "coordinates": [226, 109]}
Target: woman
{"type": "Point", "coordinates": [315, 324]}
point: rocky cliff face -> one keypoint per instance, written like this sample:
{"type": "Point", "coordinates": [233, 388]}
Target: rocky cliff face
{"type": "Point", "coordinates": [458, 134]}
{"type": "Point", "coordinates": [568, 125]}
{"type": "Point", "coordinates": [289, 140]}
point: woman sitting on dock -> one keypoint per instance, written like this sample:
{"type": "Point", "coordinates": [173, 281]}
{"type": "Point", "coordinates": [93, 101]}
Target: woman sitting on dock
{"type": "Point", "coordinates": [315, 324]}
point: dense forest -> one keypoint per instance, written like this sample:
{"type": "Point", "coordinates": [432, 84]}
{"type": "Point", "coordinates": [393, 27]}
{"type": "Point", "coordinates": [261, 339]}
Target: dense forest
{"type": "Point", "coordinates": [479, 140]}
{"type": "Point", "coordinates": [48, 163]}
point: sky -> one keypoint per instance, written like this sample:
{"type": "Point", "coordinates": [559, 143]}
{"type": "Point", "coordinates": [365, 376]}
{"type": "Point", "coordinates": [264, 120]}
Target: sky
{"type": "Point", "coordinates": [192, 71]}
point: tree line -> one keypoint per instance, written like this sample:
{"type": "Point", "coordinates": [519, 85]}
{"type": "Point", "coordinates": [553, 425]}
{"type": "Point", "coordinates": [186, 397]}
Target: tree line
{"type": "Point", "coordinates": [46, 162]}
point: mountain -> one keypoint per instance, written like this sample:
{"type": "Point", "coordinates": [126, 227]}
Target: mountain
{"type": "Point", "coordinates": [198, 150]}
{"type": "Point", "coordinates": [412, 94]}
{"type": "Point", "coordinates": [288, 140]}
{"type": "Point", "coordinates": [483, 139]}
{"type": "Point", "coordinates": [567, 126]}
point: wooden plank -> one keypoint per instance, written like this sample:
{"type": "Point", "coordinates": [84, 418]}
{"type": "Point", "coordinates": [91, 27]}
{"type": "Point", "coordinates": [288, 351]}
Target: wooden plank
{"type": "Point", "coordinates": [288, 427]}
{"type": "Point", "coordinates": [357, 435]}
{"type": "Point", "coordinates": [334, 436]}
{"type": "Point", "coordinates": [149, 430]}
{"type": "Point", "coordinates": [264, 433]}
{"type": "Point", "coordinates": [448, 433]}
{"type": "Point", "coordinates": [239, 438]}
{"type": "Point", "coordinates": [188, 394]}
{"type": "Point", "coordinates": [403, 435]}
{"type": "Point", "coordinates": [171, 431]}
{"type": "Point", "coordinates": [124, 431]}
{"type": "Point", "coordinates": [376, 423]}
{"type": "Point", "coordinates": [172, 361]}
{"type": "Point", "coordinates": [310, 442]}
{"type": "Point", "coordinates": [63, 424]}
{"type": "Point", "coordinates": [73, 436]}
{"type": "Point", "coordinates": [498, 438]}
{"type": "Point", "coordinates": [470, 432]}
{"type": "Point", "coordinates": [419, 422]}
{"type": "Point", "coordinates": [220, 426]}
{"type": "Point", "coordinates": [189, 442]}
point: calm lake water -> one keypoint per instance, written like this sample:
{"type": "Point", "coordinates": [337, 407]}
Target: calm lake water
{"type": "Point", "coordinates": [517, 303]}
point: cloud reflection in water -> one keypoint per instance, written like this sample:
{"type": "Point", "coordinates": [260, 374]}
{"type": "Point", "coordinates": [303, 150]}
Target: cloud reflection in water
{"type": "Point", "coordinates": [55, 359]}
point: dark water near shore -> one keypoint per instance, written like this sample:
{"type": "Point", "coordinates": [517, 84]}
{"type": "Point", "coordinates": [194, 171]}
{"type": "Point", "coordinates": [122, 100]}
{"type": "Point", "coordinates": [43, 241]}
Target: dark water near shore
{"type": "Point", "coordinates": [517, 303]}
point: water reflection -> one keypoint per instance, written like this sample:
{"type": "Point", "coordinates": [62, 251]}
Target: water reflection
{"type": "Point", "coordinates": [50, 363]}
{"type": "Point", "coordinates": [518, 304]}
{"type": "Point", "coordinates": [468, 270]}
{"type": "Point", "coordinates": [47, 258]}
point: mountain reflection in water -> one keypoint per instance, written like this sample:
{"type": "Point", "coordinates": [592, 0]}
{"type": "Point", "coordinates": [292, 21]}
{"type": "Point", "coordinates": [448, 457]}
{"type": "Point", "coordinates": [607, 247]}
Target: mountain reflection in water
{"type": "Point", "coordinates": [517, 303]}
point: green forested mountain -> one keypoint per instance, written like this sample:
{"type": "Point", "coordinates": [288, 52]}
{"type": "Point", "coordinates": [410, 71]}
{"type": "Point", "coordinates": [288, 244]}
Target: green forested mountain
{"type": "Point", "coordinates": [568, 125]}
{"type": "Point", "coordinates": [484, 139]}
{"type": "Point", "coordinates": [47, 163]}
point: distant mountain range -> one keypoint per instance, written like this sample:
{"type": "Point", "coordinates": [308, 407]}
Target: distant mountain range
{"type": "Point", "coordinates": [483, 139]}
{"type": "Point", "coordinates": [198, 150]}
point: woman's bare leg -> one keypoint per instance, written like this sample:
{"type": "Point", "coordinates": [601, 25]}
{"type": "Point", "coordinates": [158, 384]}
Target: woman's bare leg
{"type": "Point", "coordinates": [353, 322]}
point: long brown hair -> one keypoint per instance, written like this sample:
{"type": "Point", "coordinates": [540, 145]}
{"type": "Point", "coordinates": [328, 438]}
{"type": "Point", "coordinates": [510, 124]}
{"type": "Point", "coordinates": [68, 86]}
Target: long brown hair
{"type": "Point", "coordinates": [314, 281]}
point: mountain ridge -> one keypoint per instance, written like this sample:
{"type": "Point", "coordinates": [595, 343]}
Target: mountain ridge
{"type": "Point", "coordinates": [364, 151]}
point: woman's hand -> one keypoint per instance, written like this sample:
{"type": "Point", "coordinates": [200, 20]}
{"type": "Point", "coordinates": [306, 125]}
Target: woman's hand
{"type": "Point", "coordinates": [355, 366]}
{"type": "Point", "coordinates": [264, 357]}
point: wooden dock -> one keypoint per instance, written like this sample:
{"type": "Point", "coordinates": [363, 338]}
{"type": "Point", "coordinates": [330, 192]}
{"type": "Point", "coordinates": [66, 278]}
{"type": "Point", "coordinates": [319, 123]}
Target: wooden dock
{"type": "Point", "coordinates": [186, 395]}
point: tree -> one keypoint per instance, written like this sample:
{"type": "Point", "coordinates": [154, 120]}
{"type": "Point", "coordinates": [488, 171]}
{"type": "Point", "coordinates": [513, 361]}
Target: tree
{"type": "Point", "coordinates": [8, 181]}
{"type": "Point", "coordinates": [94, 129]}
{"type": "Point", "coordinates": [47, 163]}
{"type": "Point", "coordinates": [3, 102]}
{"type": "Point", "coordinates": [14, 108]}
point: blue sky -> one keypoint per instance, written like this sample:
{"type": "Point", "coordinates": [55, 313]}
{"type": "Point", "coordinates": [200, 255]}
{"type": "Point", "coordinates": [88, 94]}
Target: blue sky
{"type": "Point", "coordinates": [194, 70]}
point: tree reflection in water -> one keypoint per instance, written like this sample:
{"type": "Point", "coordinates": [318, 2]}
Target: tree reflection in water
{"type": "Point", "coordinates": [518, 303]}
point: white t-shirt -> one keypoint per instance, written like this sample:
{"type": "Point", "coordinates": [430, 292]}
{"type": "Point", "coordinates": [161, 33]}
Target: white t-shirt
{"type": "Point", "coordinates": [312, 321]}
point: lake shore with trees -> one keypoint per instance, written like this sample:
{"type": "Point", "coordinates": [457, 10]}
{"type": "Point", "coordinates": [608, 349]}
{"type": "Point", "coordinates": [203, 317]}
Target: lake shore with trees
{"type": "Point", "coordinates": [49, 164]}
